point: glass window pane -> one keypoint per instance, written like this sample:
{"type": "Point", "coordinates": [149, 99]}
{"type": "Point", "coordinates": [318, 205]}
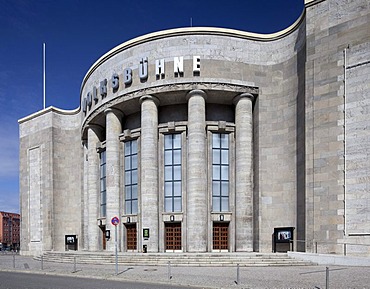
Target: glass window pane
{"type": "Point", "coordinates": [134, 147]}
{"type": "Point", "coordinates": [224, 141]}
{"type": "Point", "coordinates": [102, 184]}
{"type": "Point", "coordinates": [177, 141]}
{"type": "Point", "coordinates": [168, 141]}
{"type": "Point", "coordinates": [225, 188]}
{"type": "Point", "coordinates": [216, 188]}
{"type": "Point", "coordinates": [225, 157]}
{"type": "Point", "coordinates": [177, 157]}
{"type": "Point", "coordinates": [103, 198]}
{"type": "Point", "coordinates": [134, 207]}
{"type": "Point", "coordinates": [134, 162]}
{"type": "Point", "coordinates": [216, 172]}
{"type": "Point", "coordinates": [168, 157]}
{"type": "Point", "coordinates": [177, 205]}
{"type": "Point", "coordinates": [103, 171]}
{"type": "Point", "coordinates": [168, 205]}
{"type": "Point", "coordinates": [216, 204]}
{"type": "Point", "coordinates": [127, 148]}
{"type": "Point", "coordinates": [215, 140]}
{"type": "Point", "coordinates": [103, 210]}
{"type": "Point", "coordinates": [168, 188]}
{"type": "Point", "coordinates": [128, 207]}
{"type": "Point", "coordinates": [134, 192]}
{"type": "Point", "coordinates": [215, 156]}
{"type": "Point", "coordinates": [127, 163]}
{"type": "Point", "coordinates": [168, 173]}
{"type": "Point", "coordinates": [177, 173]}
{"type": "Point", "coordinates": [224, 204]}
{"type": "Point", "coordinates": [177, 189]}
{"type": "Point", "coordinates": [225, 173]}
{"type": "Point", "coordinates": [103, 157]}
{"type": "Point", "coordinates": [128, 193]}
{"type": "Point", "coordinates": [134, 177]}
{"type": "Point", "coordinates": [128, 178]}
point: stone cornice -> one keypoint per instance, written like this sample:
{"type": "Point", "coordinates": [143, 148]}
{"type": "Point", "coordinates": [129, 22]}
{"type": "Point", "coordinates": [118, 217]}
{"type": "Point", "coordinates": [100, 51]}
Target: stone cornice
{"type": "Point", "coordinates": [186, 86]}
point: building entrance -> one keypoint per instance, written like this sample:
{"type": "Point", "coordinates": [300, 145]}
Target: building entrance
{"type": "Point", "coordinates": [173, 236]}
{"type": "Point", "coordinates": [131, 237]}
{"type": "Point", "coordinates": [220, 236]}
{"type": "Point", "coordinates": [104, 240]}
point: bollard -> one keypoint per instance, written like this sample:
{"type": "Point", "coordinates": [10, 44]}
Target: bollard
{"type": "Point", "coordinates": [169, 275]}
{"type": "Point", "coordinates": [237, 274]}
{"type": "Point", "coordinates": [42, 262]}
{"type": "Point", "coordinates": [327, 277]}
{"type": "Point", "coordinates": [13, 261]}
{"type": "Point", "coordinates": [74, 264]}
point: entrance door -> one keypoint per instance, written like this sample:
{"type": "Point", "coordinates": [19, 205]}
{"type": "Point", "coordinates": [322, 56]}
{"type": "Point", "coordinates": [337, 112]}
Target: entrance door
{"type": "Point", "coordinates": [131, 237]}
{"type": "Point", "coordinates": [220, 236]}
{"type": "Point", "coordinates": [102, 228]}
{"type": "Point", "coordinates": [173, 236]}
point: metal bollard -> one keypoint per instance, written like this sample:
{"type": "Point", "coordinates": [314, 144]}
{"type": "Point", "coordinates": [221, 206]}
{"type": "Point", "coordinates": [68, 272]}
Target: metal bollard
{"type": "Point", "coordinates": [237, 274]}
{"type": "Point", "coordinates": [13, 261]}
{"type": "Point", "coordinates": [169, 275]}
{"type": "Point", "coordinates": [327, 277]}
{"type": "Point", "coordinates": [74, 265]}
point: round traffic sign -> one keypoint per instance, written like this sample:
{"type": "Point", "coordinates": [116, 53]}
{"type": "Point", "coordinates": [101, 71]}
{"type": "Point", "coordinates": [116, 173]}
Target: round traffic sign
{"type": "Point", "coordinates": [115, 221]}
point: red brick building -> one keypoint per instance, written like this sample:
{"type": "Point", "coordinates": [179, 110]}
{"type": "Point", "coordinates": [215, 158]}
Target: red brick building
{"type": "Point", "coordinates": [9, 230]}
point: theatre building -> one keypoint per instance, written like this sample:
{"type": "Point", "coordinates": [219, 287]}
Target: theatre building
{"type": "Point", "coordinates": [210, 140]}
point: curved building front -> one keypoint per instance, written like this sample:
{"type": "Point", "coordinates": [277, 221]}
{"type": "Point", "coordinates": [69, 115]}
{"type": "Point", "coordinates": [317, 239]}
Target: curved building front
{"type": "Point", "coordinates": [194, 138]}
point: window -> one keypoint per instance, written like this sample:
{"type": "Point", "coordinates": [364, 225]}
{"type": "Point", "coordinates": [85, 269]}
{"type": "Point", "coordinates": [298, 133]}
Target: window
{"type": "Point", "coordinates": [172, 173]}
{"type": "Point", "coordinates": [103, 184]}
{"type": "Point", "coordinates": [131, 177]}
{"type": "Point", "coordinates": [220, 172]}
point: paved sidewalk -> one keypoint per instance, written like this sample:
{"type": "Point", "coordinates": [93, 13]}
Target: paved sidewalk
{"type": "Point", "coordinates": [203, 277]}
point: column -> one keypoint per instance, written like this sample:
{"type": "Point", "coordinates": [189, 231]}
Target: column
{"type": "Point", "coordinates": [93, 189]}
{"type": "Point", "coordinates": [149, 170]}
{"type": "Point", "coordinates": [85, 220]}
{"type": "Point", "coordinates": [243, 173]}
{"type": "Point", "coordinates": [112, 144]}
{"type": "Point", "coordinates": [197, 197]}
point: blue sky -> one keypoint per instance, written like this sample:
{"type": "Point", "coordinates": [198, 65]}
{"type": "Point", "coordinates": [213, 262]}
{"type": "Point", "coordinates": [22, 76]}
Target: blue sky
{"type": "Point", "coordinates": [77, 33]}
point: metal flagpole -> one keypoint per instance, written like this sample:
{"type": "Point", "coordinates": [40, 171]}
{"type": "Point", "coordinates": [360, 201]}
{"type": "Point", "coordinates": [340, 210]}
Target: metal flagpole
{"type": "Point", "coordinates": [43, 75]}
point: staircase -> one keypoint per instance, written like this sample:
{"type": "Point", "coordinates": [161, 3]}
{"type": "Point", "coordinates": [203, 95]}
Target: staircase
{"type": "Point", "coordinates": [176, 259]}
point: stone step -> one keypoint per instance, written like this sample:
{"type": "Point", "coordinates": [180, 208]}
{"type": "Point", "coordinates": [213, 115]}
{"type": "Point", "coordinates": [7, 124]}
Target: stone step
{"type": "Point", "coordinates": [175, 259]}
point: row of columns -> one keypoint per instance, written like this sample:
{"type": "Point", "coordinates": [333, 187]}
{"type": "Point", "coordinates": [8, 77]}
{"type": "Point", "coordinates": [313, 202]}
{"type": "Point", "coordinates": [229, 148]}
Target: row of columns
{"type": "Point", "coordinates": [197, 196]}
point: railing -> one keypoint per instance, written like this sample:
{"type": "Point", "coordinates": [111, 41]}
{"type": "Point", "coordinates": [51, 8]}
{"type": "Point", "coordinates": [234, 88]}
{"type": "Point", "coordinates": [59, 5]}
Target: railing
{"type": "Point", "coordinates": [342, 248]}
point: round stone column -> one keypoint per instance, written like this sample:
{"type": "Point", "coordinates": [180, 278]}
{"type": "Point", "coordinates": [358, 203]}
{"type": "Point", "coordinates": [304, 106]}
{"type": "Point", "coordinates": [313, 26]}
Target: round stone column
{"type": "Point", "coordinates": [243, 173]}
{"type": "Point", "coordinates": [93, 189]}
{"type": "Point", "coordinates": [112, 144]}
{"type": "Point", "coordinates": [149, 170]}
{"type": "Point", "coordinates": [197, 198]}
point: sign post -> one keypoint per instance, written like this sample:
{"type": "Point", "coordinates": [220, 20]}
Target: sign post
{"type": "Point", "coordinates": [115, 222]}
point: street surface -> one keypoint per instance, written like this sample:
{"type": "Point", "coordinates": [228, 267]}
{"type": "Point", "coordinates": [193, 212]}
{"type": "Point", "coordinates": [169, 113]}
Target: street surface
{"type": "Point", "coordinates": [10, 280]}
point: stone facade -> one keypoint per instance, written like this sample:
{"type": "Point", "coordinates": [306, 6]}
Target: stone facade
{"type": "Point", "coordinates": [209, 139]}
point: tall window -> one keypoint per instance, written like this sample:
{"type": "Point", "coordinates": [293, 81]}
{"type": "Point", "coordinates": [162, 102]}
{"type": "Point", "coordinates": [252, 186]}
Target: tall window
{"type": "Point", "coordinates": [131, 177]}
{"type": "Point", "coordinates": [103, 184]}
{"type": "Point", "coordinates": [172, 173]}
{"type": "Point", "coordinates": [220, 172]}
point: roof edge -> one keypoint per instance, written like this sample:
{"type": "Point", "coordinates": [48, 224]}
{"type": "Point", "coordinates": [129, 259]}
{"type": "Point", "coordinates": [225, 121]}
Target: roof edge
{"type": "Point", "coordinates": [191, 31]}
{"type": "Point", "coordinates": [47, 110]}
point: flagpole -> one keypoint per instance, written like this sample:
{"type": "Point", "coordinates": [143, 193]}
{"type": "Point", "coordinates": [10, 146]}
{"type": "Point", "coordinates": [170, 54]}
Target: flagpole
{"type": "Point", "coordinates": [43, 75]}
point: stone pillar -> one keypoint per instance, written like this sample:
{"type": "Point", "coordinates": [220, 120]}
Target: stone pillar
{"type": "Point", "coordinates": [112, 144]}
{"type": "Point", "coordinates": [149, 170]}
{"type": "Point", "coordinates": [93, 189]}
{"type": "Point", "coordinates": [243, 173]}
{"type": "Point", "coordinates": [85, 221]}
{"type": "Point", "coordinates": [197, 198]}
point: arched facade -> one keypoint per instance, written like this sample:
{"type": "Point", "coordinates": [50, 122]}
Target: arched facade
{"type": "Point", "coordinates": [197, 139]}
